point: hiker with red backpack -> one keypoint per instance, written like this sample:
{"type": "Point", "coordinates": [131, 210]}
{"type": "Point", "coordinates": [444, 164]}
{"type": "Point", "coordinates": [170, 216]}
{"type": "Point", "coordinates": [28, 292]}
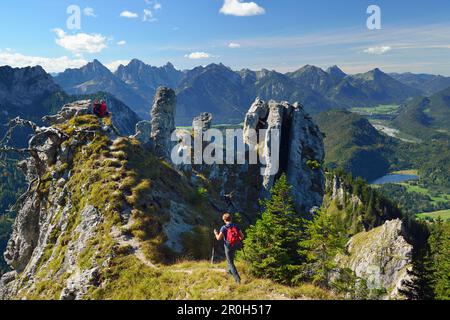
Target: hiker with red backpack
{"type": "Point", "coordinates": [232, 236]}
{"type": "Point", "coordinates": [100, 109]}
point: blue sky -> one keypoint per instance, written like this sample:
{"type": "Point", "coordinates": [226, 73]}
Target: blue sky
{"type": "Point", "coordinates": [274, 34]}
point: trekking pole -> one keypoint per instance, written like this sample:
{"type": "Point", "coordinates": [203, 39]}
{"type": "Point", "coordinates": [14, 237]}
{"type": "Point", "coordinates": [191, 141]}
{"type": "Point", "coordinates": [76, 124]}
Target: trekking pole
{"type": "Point", "coordinates": [213, 251]}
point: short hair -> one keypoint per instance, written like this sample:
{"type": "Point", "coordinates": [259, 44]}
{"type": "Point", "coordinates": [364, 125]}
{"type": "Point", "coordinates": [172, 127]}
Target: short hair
{"type": "Point", "coordinates": [227, 217]}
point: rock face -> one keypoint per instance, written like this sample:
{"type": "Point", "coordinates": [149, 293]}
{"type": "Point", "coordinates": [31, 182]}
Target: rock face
{"type": "Point", "coordinates": [163, 121]}
{"type": "Point", "coordinates": [143, 132]}
{"type": "Point", "coordinates": [23, 86]}
{"type": "Point", "coordinates": [381, 256]}
{"type": "Point", "coordinates": [202, 122]}
{"type": "Point", "coordinates": [43, 211]}
{"type": "Point", "coordinates": [300, 143]}
{"type": "Point", "coordinates": [29, 93]}
{"type": "Point", "coordinates": [123, 118]}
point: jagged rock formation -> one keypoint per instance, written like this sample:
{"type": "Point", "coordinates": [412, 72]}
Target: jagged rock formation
{"type": "Point", "coordinates": [301, 144]}
{"type": "Point", "coordinates": [163, 121]}
{"type": "Point", "coordinates": [97, 200]}
{"type": "Point", "coordinates": [355, 206]}
{"type": "Point", "coordinates": [340, 194]}
{"type": "Point", "coordinates": [29, 93]}
{"type": "Point", "coordinates": [24, 86]}
{"type": "Point", "coordinates": [382, 256]}
{"type": "Point", "coordinates": [143, 132]}
{"type": "Point", "coordinates": [202, 122]}
{"type": "Point", "coordinates": [123, 119]}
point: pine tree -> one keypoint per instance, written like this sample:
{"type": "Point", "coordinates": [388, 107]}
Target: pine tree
{"type": "Point", "coordinates": [324, 240]}
{"type": "Point", "coordinates": [419, 286]}
{"type": "Point", "coordinates": [271, 246]}
{"type": "Point", "coordinates": [439, 243]}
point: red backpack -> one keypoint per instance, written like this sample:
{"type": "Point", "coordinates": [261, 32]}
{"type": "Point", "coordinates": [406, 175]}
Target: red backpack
{"type": "Point", "coordinates": [233, 237]}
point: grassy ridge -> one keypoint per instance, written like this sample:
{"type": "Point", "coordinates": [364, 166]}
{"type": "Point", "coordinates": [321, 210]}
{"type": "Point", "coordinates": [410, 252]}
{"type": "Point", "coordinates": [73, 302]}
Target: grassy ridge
{"type": "Point", "coordinates": [131, 280]}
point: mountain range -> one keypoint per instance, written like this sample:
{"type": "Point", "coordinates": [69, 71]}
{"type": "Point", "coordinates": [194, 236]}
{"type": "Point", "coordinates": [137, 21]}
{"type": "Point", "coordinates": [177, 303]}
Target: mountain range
{"type": "Point", "coordinates": [426, 117]}
{"type": "Point", "coordinates": [429, 84]}
{"type": "Point", "coordinates": [227, 94]}
{"type": "Point", "coordinates": [31, 93]}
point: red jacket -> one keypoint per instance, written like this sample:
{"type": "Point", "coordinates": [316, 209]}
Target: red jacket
{"type": "Point", "coordinates": [103, 112]}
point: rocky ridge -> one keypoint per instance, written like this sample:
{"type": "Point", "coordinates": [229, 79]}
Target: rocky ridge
{"type": "Point", "coordinates": [98, 200]}
{"type": "Point", "coordinates": [382, 256]}
{"type": "Point", "coordinates": [87, 182]}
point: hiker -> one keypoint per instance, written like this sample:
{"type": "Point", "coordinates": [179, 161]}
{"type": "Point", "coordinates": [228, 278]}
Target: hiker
{"type": "Point", "coordinates": [232, 236]}
{"type": "Point", "coordinates": [104, 109]}
{"type": "Point", "coordinates": [96, 108]}
{"type": "Point", "coordinates": [101, 109]}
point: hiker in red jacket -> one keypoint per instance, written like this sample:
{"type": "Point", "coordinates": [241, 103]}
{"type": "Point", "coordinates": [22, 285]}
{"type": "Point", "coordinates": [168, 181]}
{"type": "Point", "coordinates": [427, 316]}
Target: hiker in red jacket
{"type": "Point", "coordinates": [232, 236]}
{"type": "Point", "coordinates": [103, 112]}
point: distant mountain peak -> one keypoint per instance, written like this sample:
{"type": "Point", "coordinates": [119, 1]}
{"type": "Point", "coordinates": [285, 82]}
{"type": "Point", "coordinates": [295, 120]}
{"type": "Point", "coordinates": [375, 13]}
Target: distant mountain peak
{"type": "Point", "coordinates": [336, 73]}
{"type": "Point", "coordinates": [169, 65]}
{"type": "Point", "coordinates": [335, 70]}
{"type": "Point", "coordinates": [136, 62]}
{"type": "Point", "coordinates": [377, 70]}
{"type": "Point", "coordinates": [373, 75]}
{"type": "Point", "coordinates": [96, 67]}
{"type": "Point", "coordinates": [310, 68]}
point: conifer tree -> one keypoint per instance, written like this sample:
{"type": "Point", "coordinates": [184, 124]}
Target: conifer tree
{"type": "Point", "coordinates": [419, 284]}
{"type": "Point", "coordinates": [272, 244]}
{"type": "Point", "coordinates": [324, 240]}
{"type": "Point", "coordinates": [439, 243]}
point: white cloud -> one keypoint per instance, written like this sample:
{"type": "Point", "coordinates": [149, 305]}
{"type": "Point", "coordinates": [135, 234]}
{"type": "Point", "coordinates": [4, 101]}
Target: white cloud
{"type": "Point", "coordinates": [148, 16]}
{"type": "Point", "coordinates": [129, 14]}
{"type": "Point", "coordinates": [88, 11]}
{"type": "Point", "coordinates": [121, 43]}
{"type": "Point", "coordinates": [241, 9]}
{"type": "Point", "coordinates": [81, 42]}
{"type": "Point", "coordinates": [377, 50]}
{"type": "Point", "coordinates": [59, 64]}
{"type": "Point", "coordinates": [157, 6]}
{"type": "Point", "coordinates": [113, 65]}
{"type": "Point", "coordinates": [198, 55]}
{"type": "Point", "coordinates": [234, 45]}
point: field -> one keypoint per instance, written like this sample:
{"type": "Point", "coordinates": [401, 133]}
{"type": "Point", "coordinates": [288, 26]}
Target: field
{"type": "Point", "coordinates": [419, 200]}
{"type": "Point", "coordinates": [418, 189]}
{"type": "Point", "coordinates": [381, 110]}
{"type": "Point", "coordinates": [444, 215]}
{"type": "Point", "coordinates": [408, 172]}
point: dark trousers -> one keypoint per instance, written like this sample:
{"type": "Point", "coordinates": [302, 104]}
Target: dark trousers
{"type": "Point", "coordinates": [230, 254]}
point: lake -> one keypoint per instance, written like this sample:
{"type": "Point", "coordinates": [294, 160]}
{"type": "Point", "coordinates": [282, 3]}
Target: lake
{"type": "Point", "coordinates": [395, 178]}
